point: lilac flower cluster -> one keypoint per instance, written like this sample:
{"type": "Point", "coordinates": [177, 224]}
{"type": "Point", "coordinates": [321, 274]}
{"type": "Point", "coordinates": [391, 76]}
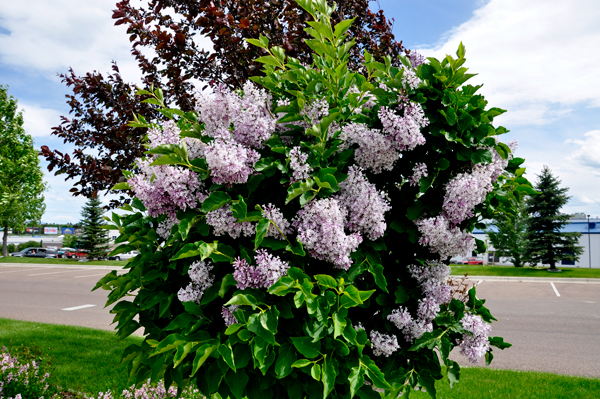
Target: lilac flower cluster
{"type": "Point", "coordinates": [383, 344]}
{"type": "Point", "coordinates": [251, 117]}
{"type": "Point", "coordinates": [416, 59]}
{"type": "Point", "coordinates": [367, 98]}
{"type": "Point", "coordinates": [169, 134]}
{"type": "Point", "coordinates": [366, 206]}
{"type": "Point", "coordinates": [404, 131]}
{"type": "Point", "coordinates": [432, 280]}
{"type": "Point", "coordinates": [223, 222]}
{"type": "Point", "coordinates": [164, 228]}
{"type": "Point", "coordinates": [375, 151]}
{"type": "Point", "coordinates": [230, 162]}
{"type": "Point", "coordinates": [419, 171]}
{"type": "Point", "coordinates": [16, 376]}
{"type": "Point", "coordinates": [315, 110]}
{"type": "Point", "coordinates": [228, 316]}
{"type": "Point", "coordinates": [442, 238]}
{"type": "Point", "coordinates": [273, 213]}
{"type": "Point", "coordinates": [300, 169]}
{"type": "Point", "coordinates": [411, 79]}
{"type": "Point", "coordinates": [320, 226]}
{"type": "Point", "coordinates": [267, 271]}
{"type": "Point", "coordinates": [202, 279]}
{"type": "Point", "coordinates": [475, 343]}
{"type": "Point", "coordinates": [164, 189]}
{"type": "Point", "coordinates": [149, 391]}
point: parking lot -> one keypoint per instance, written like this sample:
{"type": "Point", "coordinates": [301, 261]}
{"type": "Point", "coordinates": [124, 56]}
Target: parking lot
{"type": "Point", "coordinates": [554, 327]}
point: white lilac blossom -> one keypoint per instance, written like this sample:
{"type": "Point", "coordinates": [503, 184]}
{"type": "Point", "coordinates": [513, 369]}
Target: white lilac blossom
{"type": "Point", "coordinates": [383, 344]}
{"type": "Point", "coordinates": [169, 134]}
{"type": "Point", "coordinates": [248, 276]}
{"type": "Point", "coordinates": [320, 226]}
{"type": "Point", "coordinates": [196, 148]}
{"type": "Point", "coordinates": [404, 131]}
{"type": "Point", "coordinates": [272, 213]}
{"type": "Point", "coordinates": [315, 110]}
{"type": "Point", "coordinates": [230, 162]}
{"type": "Point", "coordinates": [365, 205]}
{"type": "Point", "coordinates": [214, 110]}
{"type": "Point", "coordinates": [300, 169]}
{"type": "Point", "coordinates": [252, 121]}
{"type": "Point", "coordinates": [202, 279]}
{"type": "Point", "coordinates": [442, 238]}
{"type": "Point", "coordinates": [164, 189]}
{"type": "Point", "coordinates": [375, 151]}
{"type": "Point", "coordinates": [411, 79]}
{"type": "Point", "coordinates": [164, 228]}
{"type": "Point", "coordinates": [419, 172]}
{"type": "Point", "coordinates": [223, 222]}
{"type": "Point", "coordinates": [228, 316]}
{"type": "Point", "coordinates": [475, 343]}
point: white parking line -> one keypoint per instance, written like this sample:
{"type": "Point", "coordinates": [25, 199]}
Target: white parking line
{"type": "Point", "coordinates": [41, 274]}
{"type": "Point", "coordinates": [554, 288]}
{"type": "Point", "coordinates": [23, 270]}
{"type": "Point", "coordinates": [79, 307]}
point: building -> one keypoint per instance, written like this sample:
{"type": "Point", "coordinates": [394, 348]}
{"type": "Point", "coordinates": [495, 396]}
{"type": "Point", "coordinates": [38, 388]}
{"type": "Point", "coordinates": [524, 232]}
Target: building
{"type": "Point", "coordinates": [589, 240]}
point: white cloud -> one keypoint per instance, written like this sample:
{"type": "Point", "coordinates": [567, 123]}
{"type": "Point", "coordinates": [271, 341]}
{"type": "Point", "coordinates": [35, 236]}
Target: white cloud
{"type": "Point", "coordinates": [537, 58]}
{"type": "Point", "coordinates": [39, 121]}
{"type": "Point", "coordinates": [588, 151]}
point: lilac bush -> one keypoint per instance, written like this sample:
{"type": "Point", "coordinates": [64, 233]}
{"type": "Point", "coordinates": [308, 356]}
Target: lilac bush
{"type": "Point", "coordinates": [23, 380]}
{"type": "Point", "coordinates": [309, 256]}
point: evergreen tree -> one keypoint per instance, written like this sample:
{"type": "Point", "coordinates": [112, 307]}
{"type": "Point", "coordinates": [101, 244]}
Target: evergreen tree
{"type": "Point", "coordinates": [545, 242]}
{"type": "Point", "coordinates": [94, 238]}
{"type": "Point", "coordinates": [510, 239]}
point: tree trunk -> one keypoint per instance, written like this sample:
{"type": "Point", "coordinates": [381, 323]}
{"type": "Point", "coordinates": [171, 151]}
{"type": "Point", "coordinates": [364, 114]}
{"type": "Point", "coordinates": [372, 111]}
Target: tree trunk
{"type": "Point", "coordinates": [5, 242]}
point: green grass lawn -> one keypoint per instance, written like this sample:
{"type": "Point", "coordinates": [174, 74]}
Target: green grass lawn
{"type": "Point", "coordinates": [50, 261]}
{"type": "Point", "coordinates": [507, 271]}
{"type": "Point", "coordinates": [84, 359]}
{"type": "Point", "coordinates": [87, 360]}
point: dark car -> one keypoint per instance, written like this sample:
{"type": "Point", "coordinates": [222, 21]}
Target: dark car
{"type": "Point", "coordinates": [36, 252]}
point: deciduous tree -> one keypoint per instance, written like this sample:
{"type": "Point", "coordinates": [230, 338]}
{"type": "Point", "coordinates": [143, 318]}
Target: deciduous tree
{"type": "Point", "coordinates": [546, 243]}
{"type": "Point", "coordinates": [94, 238]}
{"type": "Point", "coordinates": [103, 105]}
{"type": "Point", "coordinates": [21, 178]}
{"type": "Point", "coordinates": [510, 239]}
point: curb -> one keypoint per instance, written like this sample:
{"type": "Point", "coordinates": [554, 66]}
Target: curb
{"type": "Point", "coordinates": [532, 279]}
{"type": "Point", "coordinates": [82, 265]}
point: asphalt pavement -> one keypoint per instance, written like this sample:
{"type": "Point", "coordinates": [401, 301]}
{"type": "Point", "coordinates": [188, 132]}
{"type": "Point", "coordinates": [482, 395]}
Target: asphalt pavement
{"type": "Point", "coordinates": [554, 325]}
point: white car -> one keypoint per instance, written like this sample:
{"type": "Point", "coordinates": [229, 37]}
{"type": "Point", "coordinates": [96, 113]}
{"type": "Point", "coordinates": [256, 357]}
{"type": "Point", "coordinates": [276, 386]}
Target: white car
{"type": "Point", "coordinates": [124, 255]}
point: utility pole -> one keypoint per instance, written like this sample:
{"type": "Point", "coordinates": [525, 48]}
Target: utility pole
{"type": "Point", "coordinates": [589, 245]}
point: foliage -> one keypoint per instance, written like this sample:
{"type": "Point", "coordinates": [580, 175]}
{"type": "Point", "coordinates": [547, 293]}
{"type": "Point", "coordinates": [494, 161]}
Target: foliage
{"type": "Point", "coordinates": [30, 243]}
{"type": "Point", "coordinates": [21, 179]}
{"type": "Point", "coordinates": [24, 378]}
{"type": "Point", "coordinates": [510, 239]}
{"type": "Point", "coordinates": [348, 297]}
{"type": "Point", "coordinates": [546, 243]}
{"type": "Point", "coordinates": [70, 241]}
{"type": "Point", "coordinates": [94, 238]}
{"type": "Point", "coordinates": [11, 248]}
{"type": "Point", "coordinates": [101, 106]}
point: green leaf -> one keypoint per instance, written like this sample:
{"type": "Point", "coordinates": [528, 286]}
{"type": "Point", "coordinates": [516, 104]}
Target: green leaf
{"type": "Point", "coordinates": [268, 60]}
{"type": "Point", "coordinates": [306, 347]}
{"type": "Point", "coordinates": [427, 382]}
{"type": "Point", "coordinates": [215, 200]}
{"type": "Point", "coordinates": [356, 380]}
{"type": "Point", "coordinates": [416, 210]}
{"type": "Point", "coordinates": [202, 354]}
{"type": "Point", "coordinates": [243, 299]}
{"type": "Point", "coordinates": [301, 363]}
{"type": "Point", "coordinates": [237, 382]}
{"type": "Point", "coordinates": [499, 343]}
{"type": "Point", "coordinates": [326, 281]}
{"type": "Point", "coordinates": [285, 360]}
{"type": "Point", "coordinates": [227, 354]}
{"type": "Point", "coordinates": [342, 27]}
{"type": "Point", "coordinates": [315, 371]}
{"type": "Point", "coordinates": [298, 188]}
{"type": "Point", "coordinates": [262, 227]}
{"type": "Point", "coordinates": [257, 328]}
{"type": "Point", "coordinates": [353, 293]}
{"type": "Point", "coordinates": [377, 272]}
{"type": "Point", "coordinates": [481, 156]}
{"type": "Point", "coordinates": [401, 295]}
{"type": "Point", "coordinates": [269, 319]}
{"type": "Point", "coordinates": [328, 378]}
{"type": "Point", "coordinates": [296, 248]}
{"type": "Point", "coordinates": [453, 373]}
{"type": "Point", "coordinates": [121, 186]}
{"type": "Point", "coordinates": [460, 53]}
{"type": "Point", "coordinates": [232, 329]}
{"type": "Point", "coordinates": [375, 374]}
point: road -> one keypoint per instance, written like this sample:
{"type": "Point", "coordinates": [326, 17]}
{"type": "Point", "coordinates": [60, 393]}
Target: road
{"type": "Point", "coordinates": [553, 327]}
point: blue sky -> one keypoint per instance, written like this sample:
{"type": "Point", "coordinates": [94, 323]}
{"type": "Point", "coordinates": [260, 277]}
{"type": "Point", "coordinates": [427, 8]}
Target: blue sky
{"type": "Point", "coordinates": [538, 59]}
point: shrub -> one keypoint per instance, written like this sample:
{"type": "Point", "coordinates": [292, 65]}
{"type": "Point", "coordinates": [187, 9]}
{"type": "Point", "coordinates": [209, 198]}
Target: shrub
{"type": "Point", "coordinates": [293, 241]}
{"type": "Point", "coordinates": [26, 379]}
{"type": "Point", "coordinates": [11, 248]}
{"type": "Point", "coordinates": [28, 244]}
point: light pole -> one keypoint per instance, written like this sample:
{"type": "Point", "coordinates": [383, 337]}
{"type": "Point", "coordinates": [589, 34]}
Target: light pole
{"type": "Point", "coordinates": [589, 245]}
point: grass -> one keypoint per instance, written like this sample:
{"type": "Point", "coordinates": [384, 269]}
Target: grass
{"type": "Point", "coordinates": [88, 361]}
{"type": "Point", "coordinates": [84, 359]}
{"type": "Point", "coordinates": [486, 383]}
{"type": "Point", "coordinates": [508, 271]}
{"type": "Point", "coordinates": [51, 261]}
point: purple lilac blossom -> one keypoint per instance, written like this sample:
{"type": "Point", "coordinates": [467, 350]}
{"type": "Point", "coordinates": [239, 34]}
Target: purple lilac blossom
{"type": "Point", "coordinates": [383, 344]}
{"type": "Point", "coordinates": [300, 169]}
{"type": "Point", "coordinates": [230, 162]}
{"type": "Point", "coordinates": [366, 206]}
{"type": "Point", "coordinates": [170, 134]}
{"type": "Point", "coordinates": [271, 266]}
{"type": "Point", "coordinates": [315, 110]}
{"type": "Point", "coordinates": [164, 228]}
{"type": "Point", "coordinates": [404, 131]}
{"type": "Point", "coordinates": [475, 344]}
{"type": "Point", "coordinates": [419, 171]}
{"type": "Point", "coordinates": [252, 121]}
{"type": "Point", "coordinates": [228, 316]}
{"type": "Point", "coordinates": [147, 391]}
{"type": "Point", "coordinates": [375, 152]}
{"type": "Point", "coordinates": [442, 238]}
{"type": "Point", "coordinates": [248, 276]}
{"type": "Point", "coordinates": [223, 222]}
{"type": "Point", "coordinates": [320, 226]}
{"type": "Point", "coordinates": [272, 213]}
{"type": "Point", "coordinates": [214, 110]}
{"type": "Point", "coordinates": [202, 279]}
{"type": "Point", "coordinates": [416, 59]}
{"type": "Point", "coordinates": [164, 189]}
{"type": "Point", "coordinates": [196, 148]}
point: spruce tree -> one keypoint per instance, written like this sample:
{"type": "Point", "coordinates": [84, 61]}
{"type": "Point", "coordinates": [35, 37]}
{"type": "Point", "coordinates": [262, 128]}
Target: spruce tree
{"type": "Point", "coordinates": [94, 238]}
{"type": "Point", "coordinates": [546, 243]}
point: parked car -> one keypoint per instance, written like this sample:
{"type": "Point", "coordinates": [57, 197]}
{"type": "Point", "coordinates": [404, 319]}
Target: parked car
{"type": "Point", "coordinates": [124, 255]}
{"type": "Point", "coordinates": [473, 261]}
{"type": "Point", "coordinates": [458, 261]}
{"type": "Point", "coordinates": [62, 251]}
{"type": "Point", "coordinates": [76, 254]}
{"type": "Point", "coordinates": [36, 252]}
